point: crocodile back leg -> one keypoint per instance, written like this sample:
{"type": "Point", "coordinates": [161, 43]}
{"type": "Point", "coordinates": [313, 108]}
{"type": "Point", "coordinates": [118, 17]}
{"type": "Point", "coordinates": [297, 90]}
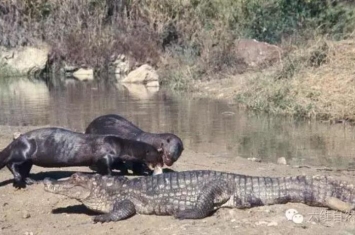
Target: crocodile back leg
{"type": "Point", "coordinates": [213, 194]}
{"type": "Point", "coordinates": [121, 210]}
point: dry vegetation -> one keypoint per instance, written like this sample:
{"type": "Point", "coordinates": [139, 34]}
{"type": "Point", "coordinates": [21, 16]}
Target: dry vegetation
{"type": "Point", "coordinates": [193, 40]}
{"type": "Point", "coordinates": [300, 87]}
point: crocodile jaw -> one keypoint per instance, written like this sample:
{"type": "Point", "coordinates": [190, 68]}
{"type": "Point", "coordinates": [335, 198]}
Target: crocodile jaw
{"type": "Point", "coordinates": [66, 188]}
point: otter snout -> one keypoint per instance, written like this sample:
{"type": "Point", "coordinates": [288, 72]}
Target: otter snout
{"type": "Point", "coordinates": [173, 154]}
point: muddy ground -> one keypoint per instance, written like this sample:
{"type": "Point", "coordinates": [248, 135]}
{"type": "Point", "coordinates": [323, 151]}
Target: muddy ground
{"type": "Point", "coordinates": [33, 211]}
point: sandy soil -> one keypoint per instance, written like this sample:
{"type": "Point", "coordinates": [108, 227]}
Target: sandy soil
{"type": "Point", "coordinates": [33, 211]}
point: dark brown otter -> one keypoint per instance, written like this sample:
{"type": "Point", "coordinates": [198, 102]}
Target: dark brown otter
{"type": "Point", "coordinates": [113, 124]}
{"type": "Point", "coordinates": [57, 147]}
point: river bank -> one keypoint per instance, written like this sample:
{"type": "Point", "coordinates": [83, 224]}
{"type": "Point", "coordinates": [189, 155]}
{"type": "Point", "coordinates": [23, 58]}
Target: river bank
{"type": "Point", "coordinates": [323, 92]}
{"type": "Point", "coordinates": [33, 211]}
{"type": "Point", "coordinates": [299, 65]}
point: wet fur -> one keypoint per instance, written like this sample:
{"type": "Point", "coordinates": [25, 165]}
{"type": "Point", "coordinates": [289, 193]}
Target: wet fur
{"type": "Point", "coordinates": [117, 125]}
{"type": "Point", "coordinates": [58, 147]}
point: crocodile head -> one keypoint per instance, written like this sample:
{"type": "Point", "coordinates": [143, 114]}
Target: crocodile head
{"type": "Point", "coordinates": [94, 191]}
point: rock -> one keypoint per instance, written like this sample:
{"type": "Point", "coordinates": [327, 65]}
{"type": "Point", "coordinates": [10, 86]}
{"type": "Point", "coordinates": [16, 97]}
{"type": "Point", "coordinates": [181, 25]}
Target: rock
{"type": "Point", "coordinates": [84, 74]}
{"type": "Point", "coordinates": [25, 59]}
{"type": "Point", "coordinates": [273, 223]}
{"type": "Point", "coordinates": [16, 135]}
{"type": "Point", "coordinates": [268, 211]}
{"type": "Point", "coordinates": [261, 223]}
{"type": "Point", "coordinates": [144, 74]}
{"type": "Point", "coordinates": [282, 161]}
{"type": "Point", "coordinates": [269, 224]}
{"type": "Point", "coordinates": [257, 54]}
{"type": "Point", "coordinates": [26, 215]}
{"type": "Point", "coordinates": [254, 159]}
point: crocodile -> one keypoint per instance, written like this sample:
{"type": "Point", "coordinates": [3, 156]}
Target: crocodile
{"type": "Point", "coordinates": [194, 194]}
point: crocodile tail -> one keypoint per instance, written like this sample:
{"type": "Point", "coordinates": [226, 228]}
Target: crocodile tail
{"type": "Point", "coordinates": [326, 187]}
{"type": "Point", "coordinates": [317, 190]}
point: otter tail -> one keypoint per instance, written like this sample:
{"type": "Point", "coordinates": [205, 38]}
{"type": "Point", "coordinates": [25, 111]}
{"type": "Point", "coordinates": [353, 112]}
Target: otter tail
{"type": "Point", "coordinates": [20, 148]}
{"type": "Point", "coordinates": [4, 156]}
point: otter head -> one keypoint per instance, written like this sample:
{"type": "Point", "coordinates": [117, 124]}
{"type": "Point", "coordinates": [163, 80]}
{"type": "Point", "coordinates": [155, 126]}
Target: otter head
{"type": "Point", "coordinates": [152, 155]}
{"type": "Point", "coordinates": [172, 147]}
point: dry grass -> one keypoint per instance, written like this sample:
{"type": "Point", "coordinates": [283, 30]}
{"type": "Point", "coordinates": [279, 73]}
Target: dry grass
{"type": "Point", "coordinates": [80, 32]}
{"type": "Point", "coordinates": [331, 86]}
{"type": "Point", "coordinates": [315, 81]}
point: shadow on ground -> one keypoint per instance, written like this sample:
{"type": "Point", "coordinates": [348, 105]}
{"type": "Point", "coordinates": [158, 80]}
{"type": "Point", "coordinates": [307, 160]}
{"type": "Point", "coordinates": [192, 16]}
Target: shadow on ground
{"type": "Point", "coordinates": [77, 209]}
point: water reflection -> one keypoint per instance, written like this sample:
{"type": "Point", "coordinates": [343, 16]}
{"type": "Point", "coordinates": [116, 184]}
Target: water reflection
{"type": "Point", "coordinates": [205, 125]}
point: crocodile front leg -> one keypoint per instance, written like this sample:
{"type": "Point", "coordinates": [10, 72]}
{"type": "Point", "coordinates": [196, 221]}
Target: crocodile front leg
{"type": "Point", "coordinates": [121, 210]}
{"type": "Point", "coordinates": [214, 193]}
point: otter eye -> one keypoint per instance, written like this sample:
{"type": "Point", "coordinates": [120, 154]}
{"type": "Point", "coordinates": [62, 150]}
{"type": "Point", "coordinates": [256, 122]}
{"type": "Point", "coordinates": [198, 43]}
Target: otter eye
{"type": "Point", "coordinates": [168, 140]}
{"type": "Point", "coordinates": [147, 152]}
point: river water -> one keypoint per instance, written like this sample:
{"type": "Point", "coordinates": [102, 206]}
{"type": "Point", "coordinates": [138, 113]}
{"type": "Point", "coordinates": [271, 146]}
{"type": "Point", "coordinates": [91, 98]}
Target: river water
{"type": "Point", "coordinates": [204, 125]}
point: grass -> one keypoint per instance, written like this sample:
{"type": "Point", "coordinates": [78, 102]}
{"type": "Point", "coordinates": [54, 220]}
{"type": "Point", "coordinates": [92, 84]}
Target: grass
{"type": "Point", "coordinates": [194, 40]}
{"type": "Point", "coordinates": [319, 88]}
{"type": "Point", "coordinates": [7, 72]}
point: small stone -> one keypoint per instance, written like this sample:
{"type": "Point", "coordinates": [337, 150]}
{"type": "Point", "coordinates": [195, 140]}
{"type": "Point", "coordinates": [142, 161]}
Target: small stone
{"type": "Point", "coordinates": [254, 159]}
{"type": "Point", "coordinates": [261, 223]}
{"type": "Point", "coordinates": [282, 161]}
{"type": "Point", "coordinates": [273, 223]}
{"type": "Point", "coordinates": [26, 215]}
{"type": "Point", "coordinates": [16, 135]}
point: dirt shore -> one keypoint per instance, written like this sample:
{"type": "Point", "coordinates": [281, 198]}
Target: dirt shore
{"type": "Point", "coordinates": [33, 211]}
